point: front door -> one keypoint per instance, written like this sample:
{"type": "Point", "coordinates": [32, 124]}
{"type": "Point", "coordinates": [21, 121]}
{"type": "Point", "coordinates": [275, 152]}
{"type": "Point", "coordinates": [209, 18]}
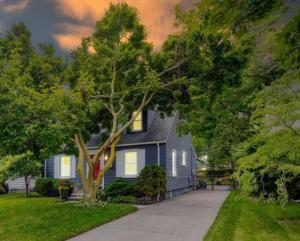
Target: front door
{"type": "Point", "coordinates": [97, 169]}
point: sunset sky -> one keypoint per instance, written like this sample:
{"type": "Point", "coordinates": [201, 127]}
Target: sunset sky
{"type": "Point", "coordinates": [65, 22]}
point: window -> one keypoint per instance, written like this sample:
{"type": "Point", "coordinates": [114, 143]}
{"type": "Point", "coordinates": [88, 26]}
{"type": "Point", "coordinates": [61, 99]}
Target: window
{"type": "Point", "coordinates": [183, 158]}
{"type": "Point", "coordinates": [137, 124]}
{"type": "Point", "coordinates": [130, 163]}
{"type": "Point", "coordinates": [65, 166]}
{"type": "Point", "coordinates": [174, 164]}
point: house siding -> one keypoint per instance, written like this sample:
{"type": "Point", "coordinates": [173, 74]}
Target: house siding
{"type": "Point", "coordinates": [184, 180]}
{"type": "Point", "coordinates": [50, 169]}
{"type": "Point", "coordinates": [151, 157]}
{"type": "Point", "coordinates": [167, 140]}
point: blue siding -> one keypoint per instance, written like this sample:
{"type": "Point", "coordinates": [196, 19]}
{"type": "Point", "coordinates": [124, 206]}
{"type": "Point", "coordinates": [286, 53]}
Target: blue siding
{"type": "Point", "coordinates": [151, 157]}
{"type": "Point", "coordinates": [50, 169]}
{"type": "Point", "coordinates": [184, 181]}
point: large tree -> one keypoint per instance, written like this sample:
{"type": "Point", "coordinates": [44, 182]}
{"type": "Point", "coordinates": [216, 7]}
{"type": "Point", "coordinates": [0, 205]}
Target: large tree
{"type": "Point", "coordinates": [218, 40]}
{"type": "Point", "coordinates": [115, 77]}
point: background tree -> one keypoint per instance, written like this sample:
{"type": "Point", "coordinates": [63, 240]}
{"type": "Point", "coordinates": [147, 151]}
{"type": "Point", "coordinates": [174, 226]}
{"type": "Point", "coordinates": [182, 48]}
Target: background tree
{"type": "Point", "coordinates": [36, 111]}
{"type": "Point", "coordinates": [269, 161]}
{"type": "Point", "coordinates": [21, 166]}
{"type": "Point", "coordinates": [223, 48]}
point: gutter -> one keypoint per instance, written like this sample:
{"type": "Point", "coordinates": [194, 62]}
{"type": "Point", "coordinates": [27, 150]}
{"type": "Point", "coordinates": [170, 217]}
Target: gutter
{"type": "Point", "coordinates": [158, 154]}
{"type": "Point", "coordinates": [134, 144]}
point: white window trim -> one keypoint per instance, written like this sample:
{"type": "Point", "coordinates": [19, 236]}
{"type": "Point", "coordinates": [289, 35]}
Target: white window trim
{"type": "Point", "coordinates": [137, 160]}
{"type": "Point", "coordinates": [184, 158]}
{"type": "Point", "coordinates": [174, 163]}
{"type": "Point", "coordinates": [65, 177]}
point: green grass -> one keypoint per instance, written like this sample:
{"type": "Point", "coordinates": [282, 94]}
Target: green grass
{"type": "Point", "coordinates": [39, 218]}
{"type": "Point", "coordinates": [242, 219]}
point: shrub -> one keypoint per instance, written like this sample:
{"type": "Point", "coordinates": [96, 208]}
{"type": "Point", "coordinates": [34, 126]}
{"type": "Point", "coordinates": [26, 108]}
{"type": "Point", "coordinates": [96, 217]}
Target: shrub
{"type": "Point", "coordinates": [123, 199]}
{"type": "Point", "coordinates": [45, 187]}
{"type": "Point", "coordinates": [152, 181]}
{"type": "Point", "coordinates": [63, 183]}
{"type": "Point", "coordinates": [91, 204]}
{"type": "Point", "coordinates": [119, 187]}
{"type": "Point", "coordinates": [64, 192]}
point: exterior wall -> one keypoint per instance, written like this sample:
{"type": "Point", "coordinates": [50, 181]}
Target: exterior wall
{"type": "Point", "coordinates": [151, 157]}
{"type": "Point", "coordinates": [49, 169]}
{"type": "Point", "coordinates": [19, 184]}
{"type": "Point", "coordinates": [184, 181]}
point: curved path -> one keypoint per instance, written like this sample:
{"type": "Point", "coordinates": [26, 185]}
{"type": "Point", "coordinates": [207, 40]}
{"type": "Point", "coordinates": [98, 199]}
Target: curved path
{"type": "Point", "coordinates": [184, 218]}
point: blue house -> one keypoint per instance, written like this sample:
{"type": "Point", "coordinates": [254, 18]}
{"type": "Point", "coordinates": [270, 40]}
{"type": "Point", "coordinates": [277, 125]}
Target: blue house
{"type": "Point", "coordinates": [150, 140]}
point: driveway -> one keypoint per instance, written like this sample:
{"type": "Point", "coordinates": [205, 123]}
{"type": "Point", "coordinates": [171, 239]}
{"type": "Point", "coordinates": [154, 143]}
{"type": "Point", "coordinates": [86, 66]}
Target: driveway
{"type": "Point", "coordinates": [184, 218]}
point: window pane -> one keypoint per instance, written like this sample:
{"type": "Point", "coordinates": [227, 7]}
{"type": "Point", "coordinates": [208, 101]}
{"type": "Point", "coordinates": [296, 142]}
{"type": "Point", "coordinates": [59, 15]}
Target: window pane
{"type": "Point", "coordinates": [130, 164]}
{"type": "Point", "coordinates": [65, 166]}
{"type": "Point", "coordinates": [184, 158]}
{"type": "Point", "coordinates": [137, 125]}
{"type": "Point", "coordinates": [174, 166]}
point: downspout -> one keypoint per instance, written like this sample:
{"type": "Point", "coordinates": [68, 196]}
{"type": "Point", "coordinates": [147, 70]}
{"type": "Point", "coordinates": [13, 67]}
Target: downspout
{"type": "Point", "coordinates": [192, 168]}
{"type": "Point", "coordinates": [45, 168]}
{"type": "Point", "coordinates": [158, 154]}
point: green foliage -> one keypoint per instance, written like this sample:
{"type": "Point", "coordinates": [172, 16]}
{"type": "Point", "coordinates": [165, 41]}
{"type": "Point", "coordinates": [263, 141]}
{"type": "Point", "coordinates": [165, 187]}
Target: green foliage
{"type": "Point", "coordinates": [91, 204]}
{"type": "Point", "coordinates": [63, 184]}
{"type": "Point", "coordinates": [45, 187]}
{"type": "Point", "coordinates": [243, 101]}
{"type": "Point", "coordinates": [123, 199]}
{"type": "Point", "coordinates": [269, 162]}
{"type": "Point", "coordinates": [63, 192]}
{"type": "Point", "coordinates": [119, 187]}
{"type": "Point", "coordinates": [33, 93]}
{"type": "Point", "coordinates": [52, 187]}
{"type": "Point", "coordinates": [20, 166]}
{"type": "Point", "coordinates": [152, 181]}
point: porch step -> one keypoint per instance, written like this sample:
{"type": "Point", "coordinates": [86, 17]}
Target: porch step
{"type": "Point", "coordinates": [76, 195]}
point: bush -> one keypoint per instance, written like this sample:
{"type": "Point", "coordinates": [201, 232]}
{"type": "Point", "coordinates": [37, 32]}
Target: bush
{"type": "Point", "coordinates": [64, 183]}
{"type": "Point", "coordinates": [119, 187]}
{"type": "Point", "coordinates": [152, 182]}
{"type": "Point", "coordinates": [50, 187]}
{"type": "Point", "coordinates": [64, 192]}
{"type": "Point", "coordinates": [94, 204]}
{"type": "Point", "coordinates": [123, 199]}
{"type": "Point", "coordinates": [45, 187]}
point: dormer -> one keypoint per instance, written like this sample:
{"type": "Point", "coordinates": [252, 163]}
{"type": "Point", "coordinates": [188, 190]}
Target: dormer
{"type": "Point", "coordinates": [140, 123]}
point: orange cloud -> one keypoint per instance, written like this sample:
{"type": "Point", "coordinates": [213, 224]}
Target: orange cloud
{"type": "Point", "coordinates": [72, 35]}
{"type": "Point", "coordinates": [157, 16]}
{"type": "Point", "coordinates": [13, 7]}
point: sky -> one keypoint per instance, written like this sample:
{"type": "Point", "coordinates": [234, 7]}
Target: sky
{"type": "Point", "coordinates": [65, 22]}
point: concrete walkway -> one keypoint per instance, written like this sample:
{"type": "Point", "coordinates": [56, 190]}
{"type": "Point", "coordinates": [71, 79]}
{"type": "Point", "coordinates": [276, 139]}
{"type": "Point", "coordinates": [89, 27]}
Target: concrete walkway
{"type": "Point", "coordinates": [184, 218]}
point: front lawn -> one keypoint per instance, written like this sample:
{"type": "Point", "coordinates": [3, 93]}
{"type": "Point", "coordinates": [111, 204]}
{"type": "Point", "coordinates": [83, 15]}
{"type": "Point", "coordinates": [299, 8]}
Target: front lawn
{"type": "Point", "coordinates": [241, 219]}
{"type": "Point", "coordinates": [39, 218]}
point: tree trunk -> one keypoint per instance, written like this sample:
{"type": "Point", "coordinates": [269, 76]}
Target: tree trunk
{"type": "Point", "coordinates": [234, 184]}
{"type": "Point", "coordinates": [27, 182]}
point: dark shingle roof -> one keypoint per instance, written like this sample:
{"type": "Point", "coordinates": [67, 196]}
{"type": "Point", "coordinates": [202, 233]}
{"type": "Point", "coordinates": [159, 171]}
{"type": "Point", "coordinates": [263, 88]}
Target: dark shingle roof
{"type": "Point", "coordinates": [157, 131]}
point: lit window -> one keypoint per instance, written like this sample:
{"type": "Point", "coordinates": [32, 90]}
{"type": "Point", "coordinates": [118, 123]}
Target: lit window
{"type": "Point", "coordinates": [65, 166]}
{"type": "Point", "coordinates": [130, 163]}
{"type": "Point", "coordinates": [174, 164]}
{"type": "Point", "coordinates": [137, 124]}
{"type": "Point", "coordinates": [183, 158]}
